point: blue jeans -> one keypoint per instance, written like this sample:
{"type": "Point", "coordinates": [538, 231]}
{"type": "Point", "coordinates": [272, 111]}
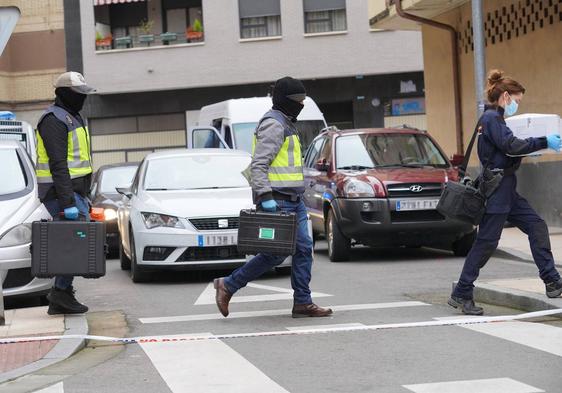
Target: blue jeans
{"type": "Point", "coordinates": [302, 260]}
{"type": "Point", "coordinates": [64, 282]}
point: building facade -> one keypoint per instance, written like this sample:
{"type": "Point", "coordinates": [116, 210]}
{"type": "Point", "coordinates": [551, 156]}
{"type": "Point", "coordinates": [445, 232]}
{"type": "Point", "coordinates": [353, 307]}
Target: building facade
{"type": "Point", "coordinates": [522, 37]}
{"type": "Point", "coordinates": [33, 58]}
{"type": "Point", "coordinates": [155, 63]}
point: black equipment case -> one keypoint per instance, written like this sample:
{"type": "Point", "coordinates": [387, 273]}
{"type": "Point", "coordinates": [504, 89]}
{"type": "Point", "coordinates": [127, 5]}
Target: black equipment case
{"type": "Point", "coordinates": [264, 232]}
{"type": "Point", "coordinates": [68, 248]}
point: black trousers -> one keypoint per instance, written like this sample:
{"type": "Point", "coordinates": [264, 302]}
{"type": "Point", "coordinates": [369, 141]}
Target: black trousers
{"type": "Point", "coordinates": [524, 217]}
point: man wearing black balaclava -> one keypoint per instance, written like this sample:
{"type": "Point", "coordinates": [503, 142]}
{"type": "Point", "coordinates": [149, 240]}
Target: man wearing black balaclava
{"type": "Point", "coordinates": [64, 170]}
{"type": "Point", "coordinates": [278, 185]}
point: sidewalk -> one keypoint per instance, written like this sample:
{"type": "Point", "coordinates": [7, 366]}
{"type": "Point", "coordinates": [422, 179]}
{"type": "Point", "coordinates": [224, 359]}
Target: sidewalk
{"type": "Point", "coordinates": [516, 244]}
{"type": "Point", "coordinates": [22, 358]}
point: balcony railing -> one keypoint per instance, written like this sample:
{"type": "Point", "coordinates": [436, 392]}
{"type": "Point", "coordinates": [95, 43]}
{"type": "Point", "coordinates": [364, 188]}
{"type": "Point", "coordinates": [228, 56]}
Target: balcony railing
{"type": "Point", "coordinates": [149, 40]}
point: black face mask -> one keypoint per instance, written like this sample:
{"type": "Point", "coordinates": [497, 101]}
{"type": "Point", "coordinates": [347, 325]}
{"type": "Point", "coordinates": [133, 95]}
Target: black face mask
{"type": "Point", "coordinates": [70, 99]}
{"type": "Point", "coordinates": [284, 89]}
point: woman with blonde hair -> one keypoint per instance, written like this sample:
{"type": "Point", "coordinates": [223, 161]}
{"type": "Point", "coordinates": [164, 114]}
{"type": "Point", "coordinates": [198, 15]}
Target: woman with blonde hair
{"type": "Point", "coordinates": [500, 150]}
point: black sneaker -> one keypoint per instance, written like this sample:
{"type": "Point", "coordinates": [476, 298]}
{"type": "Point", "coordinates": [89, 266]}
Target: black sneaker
{"type": "Point", "coordinates": [554, 289]}
{"type": "Point", "coordinates": [63, 301]}
{"type": "Point", "coordinates": [467, 306]}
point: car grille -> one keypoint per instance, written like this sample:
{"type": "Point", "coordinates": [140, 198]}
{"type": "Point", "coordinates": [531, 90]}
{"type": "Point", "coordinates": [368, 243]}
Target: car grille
{"type": "Point", "coordinates": [210, 254]}
{"type": "Point", "coordinates": [405, 190]}
{"type": "Point", "coordinates": [416, 216]}
{"type": "Point", "coordinates": [17, 278]}
{"type": "Point", "coordinates": [212, 224]}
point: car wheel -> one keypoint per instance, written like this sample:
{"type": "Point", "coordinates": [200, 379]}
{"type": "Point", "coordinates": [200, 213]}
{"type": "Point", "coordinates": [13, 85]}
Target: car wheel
{"type": "Point", "coordinates": [125, 261]}
{"type": "Point", "coordinates": [462, 246]}
{"type": "Point", "coordinates": [137, 273]}
{"type": "Point", "coordinates": [339, 246]}
{"type": "Point", "coordinates": [283, 270]}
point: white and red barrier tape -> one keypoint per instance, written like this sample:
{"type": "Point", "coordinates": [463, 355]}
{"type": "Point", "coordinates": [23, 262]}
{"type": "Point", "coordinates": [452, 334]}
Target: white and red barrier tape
{"type": "Point", "coordinates": [199, 337]}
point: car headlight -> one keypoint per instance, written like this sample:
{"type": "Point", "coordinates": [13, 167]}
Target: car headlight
{"type": "Point", "coordinates": [354, 188]}
{"type": "Point", "coordinates": [16, 236]}
{"type": "Point", "coordinates": [109, 214]}
{"type": "Point", "coordinates": [154, 220]}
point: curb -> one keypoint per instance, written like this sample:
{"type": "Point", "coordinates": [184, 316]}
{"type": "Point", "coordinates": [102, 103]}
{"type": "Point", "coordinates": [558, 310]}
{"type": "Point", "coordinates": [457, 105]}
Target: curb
{"type": "Point", "coordinates": [513, 298]}
{"type": "Point", "coordinates": [74, 325]}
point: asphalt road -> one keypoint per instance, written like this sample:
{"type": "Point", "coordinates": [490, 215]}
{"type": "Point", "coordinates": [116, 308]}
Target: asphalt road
{"type": "Point", "coordinates": [377, 287]}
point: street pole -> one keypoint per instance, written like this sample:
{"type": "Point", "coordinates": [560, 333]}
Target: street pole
{"type": "Point", "coordinates": [479, 55]}
{"type": "Point", "coordinates": [2, 319]}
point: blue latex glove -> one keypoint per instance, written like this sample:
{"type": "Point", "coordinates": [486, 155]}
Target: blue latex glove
{"type": "Point", "coordinates": [269, 206]}
{"type": "Point", "coordinates": [71, 213]}
{"type": "Point", "coordinates": [554, 142]}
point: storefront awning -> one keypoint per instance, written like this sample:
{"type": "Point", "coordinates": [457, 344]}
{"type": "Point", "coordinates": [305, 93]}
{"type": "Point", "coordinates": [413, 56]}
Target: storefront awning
{"type": "Point", "coordinates": [108, 2]}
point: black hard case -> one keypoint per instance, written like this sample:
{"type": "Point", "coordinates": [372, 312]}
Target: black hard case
{"type": "Point", "coordinates": [68, 248]}
{"type": "Point", "coordinates": [283, 224]}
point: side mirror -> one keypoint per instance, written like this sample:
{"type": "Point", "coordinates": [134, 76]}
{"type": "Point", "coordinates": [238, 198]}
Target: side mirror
{"type": "Point", "coordinates": [457, 159]}
{"type": "Point", "coordinates": [322, 165]}
{"type": "Point", "coordinates": [126, 191]}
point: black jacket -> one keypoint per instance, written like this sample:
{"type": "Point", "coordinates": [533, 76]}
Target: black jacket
{"type": "Point", "coordinates": [55, 139]}
{"type": "Point", "coordinates": [497, 147]}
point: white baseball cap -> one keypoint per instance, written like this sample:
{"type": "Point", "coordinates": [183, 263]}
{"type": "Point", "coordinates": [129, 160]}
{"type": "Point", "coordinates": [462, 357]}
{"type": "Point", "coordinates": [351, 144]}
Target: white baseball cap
{"type": "Point", "coordinates": [75, 81]}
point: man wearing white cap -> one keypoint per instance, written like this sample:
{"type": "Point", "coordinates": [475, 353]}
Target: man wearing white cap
{"type": "Point", "coordinates": [64, 170]}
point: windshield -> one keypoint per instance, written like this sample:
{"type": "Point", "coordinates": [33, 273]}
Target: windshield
{"type": "Point", "coordinates": [116, 177]}
{"type": "Point", "coordinates": [11, 172]}
{"type": "Point", "coordinates": [196, 172]}
{"type": "Point", "coordinates": [244, 133]}
{"type": "Point", "coordinates": [387, 150]}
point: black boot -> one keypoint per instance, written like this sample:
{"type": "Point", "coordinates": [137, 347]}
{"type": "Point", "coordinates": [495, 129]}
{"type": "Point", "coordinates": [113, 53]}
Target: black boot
{"type": "Point", "coordinates": [554, 289]}
{"type": "Point", "coordinates": [63, 301]}
{"type": "Point", "coordinates": [467, 306]}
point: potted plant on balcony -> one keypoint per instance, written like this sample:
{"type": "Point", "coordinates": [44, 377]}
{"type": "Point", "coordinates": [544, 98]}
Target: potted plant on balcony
{"type": "Point", "coordinates": [195, 33]}
{"type": "Point", "coordinates": [146, 27]}
{"type": "Point", "coordinates": [103, 42]}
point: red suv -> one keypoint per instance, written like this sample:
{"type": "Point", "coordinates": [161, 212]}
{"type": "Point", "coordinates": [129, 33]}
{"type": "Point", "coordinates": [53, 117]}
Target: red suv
{"type": "Point", "coordinates": [380, 187]}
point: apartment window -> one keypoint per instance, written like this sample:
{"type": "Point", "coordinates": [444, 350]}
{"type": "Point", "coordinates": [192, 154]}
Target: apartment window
{"type": "Point", "coordinates": [259, 18]}
{"type": "Point", "coordinates": [323, 16]}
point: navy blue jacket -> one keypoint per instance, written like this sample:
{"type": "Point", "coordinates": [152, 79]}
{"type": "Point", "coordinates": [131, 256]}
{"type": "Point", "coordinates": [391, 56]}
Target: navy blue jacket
{"type": "Point", "coordinates": [495, 146]}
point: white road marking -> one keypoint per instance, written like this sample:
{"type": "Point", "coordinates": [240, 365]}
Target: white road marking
{"type": "Point", "coordinates": [268, 313]}
{"type": "Point", "coordinates": [494, 385]}
{"type": "Point", "coordinates": [545, 338]}
{"type": "Point", "coordinates": [209, 366]}
{"type": "Point", "coordinates": [57, 388]}
{"type": "Point", "coordinates": [208, 295]}
{"type": "Point", "coordinates": [320, 327]}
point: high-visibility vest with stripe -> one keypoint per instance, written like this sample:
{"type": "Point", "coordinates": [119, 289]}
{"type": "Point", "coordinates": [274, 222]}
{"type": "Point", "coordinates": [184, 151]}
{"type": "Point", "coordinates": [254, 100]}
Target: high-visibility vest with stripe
{"type": "Point", "coordinates": [78, 156]}
{"type": "Point", "coordinates": [285, 172]}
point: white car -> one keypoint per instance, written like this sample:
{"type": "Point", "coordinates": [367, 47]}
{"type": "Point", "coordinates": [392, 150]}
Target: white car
{"type": "Point", "coordinates": [19, 207]}
{"type": "Point", "coordinates": [182, 211]}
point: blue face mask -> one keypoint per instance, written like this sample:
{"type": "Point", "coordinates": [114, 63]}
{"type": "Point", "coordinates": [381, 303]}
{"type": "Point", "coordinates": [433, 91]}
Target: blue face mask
{"type": "Point", "coordinates": [511, 108]}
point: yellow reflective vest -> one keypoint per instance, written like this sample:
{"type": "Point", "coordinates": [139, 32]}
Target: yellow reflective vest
{"type": "Point", "coordinates": [285, 171]}
{"type": "Point", "coordinates": [78, 156]}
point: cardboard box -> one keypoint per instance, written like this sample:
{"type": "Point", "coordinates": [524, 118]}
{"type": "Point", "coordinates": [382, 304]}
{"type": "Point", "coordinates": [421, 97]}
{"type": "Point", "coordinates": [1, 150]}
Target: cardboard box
{"type": "Point", "coordinates": [535, 125]}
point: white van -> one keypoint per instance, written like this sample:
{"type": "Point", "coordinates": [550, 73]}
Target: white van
{"type": "Point", "coordinates": [15, 130]}
{"type": "Point", "coordinates": [237, 119]}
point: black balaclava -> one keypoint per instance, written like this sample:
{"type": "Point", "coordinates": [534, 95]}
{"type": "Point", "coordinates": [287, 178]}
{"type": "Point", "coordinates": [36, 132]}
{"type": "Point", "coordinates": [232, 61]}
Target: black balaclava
{"type": "Point", "coordinates": [287, 94]}
{"type": "Point", "coordinates": [70, 99]}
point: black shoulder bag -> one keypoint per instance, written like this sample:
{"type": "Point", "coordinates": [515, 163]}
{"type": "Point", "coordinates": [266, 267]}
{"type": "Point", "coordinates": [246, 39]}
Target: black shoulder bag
{"type": "Point", "coordinates": [464, 201]}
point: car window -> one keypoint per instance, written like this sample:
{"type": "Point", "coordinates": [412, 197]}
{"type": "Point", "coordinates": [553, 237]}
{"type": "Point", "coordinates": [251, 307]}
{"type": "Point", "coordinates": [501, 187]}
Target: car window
{"type": "Point", "coordinates": [380, 150]}
{"type": "Point", "coordinates": [12, 173]}
{"type": "Point", "coordinates": [326, 150]}
{"type": "Point", "coordinates": [313, 152]}
{"type": "Point", "coordinates": [196, 172]}
{"type": "Point", "coordinates": [308, 130]}
{"type": "Point", "coordinates": [116, 177]}
{"type": "Point", "coordinates": [243, 134]}
{"type": "Point", "coordinates": [136, 180]}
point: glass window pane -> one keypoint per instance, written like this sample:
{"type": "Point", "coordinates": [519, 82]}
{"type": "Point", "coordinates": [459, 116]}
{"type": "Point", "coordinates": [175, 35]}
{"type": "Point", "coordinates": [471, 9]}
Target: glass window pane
{"type": "Point", "coordinates": [196, 172]}
{"type": "Point", "coordinates": [11, 172]}
{"type": "Point", "coordinates": [116, 177]}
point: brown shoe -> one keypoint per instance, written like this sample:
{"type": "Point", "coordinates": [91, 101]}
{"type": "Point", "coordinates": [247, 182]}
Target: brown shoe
{"type": "Point", "coordinates": [310, 310]}
{"type": "Point", "coordinates": [222, 297]}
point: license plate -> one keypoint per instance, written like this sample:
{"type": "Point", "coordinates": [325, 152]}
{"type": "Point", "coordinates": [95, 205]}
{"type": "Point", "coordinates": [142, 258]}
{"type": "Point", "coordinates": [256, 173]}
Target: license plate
{"type": "Point", "coordinates": [217, 240]}
{"type": "Point", "coordinates": [420, 204]}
